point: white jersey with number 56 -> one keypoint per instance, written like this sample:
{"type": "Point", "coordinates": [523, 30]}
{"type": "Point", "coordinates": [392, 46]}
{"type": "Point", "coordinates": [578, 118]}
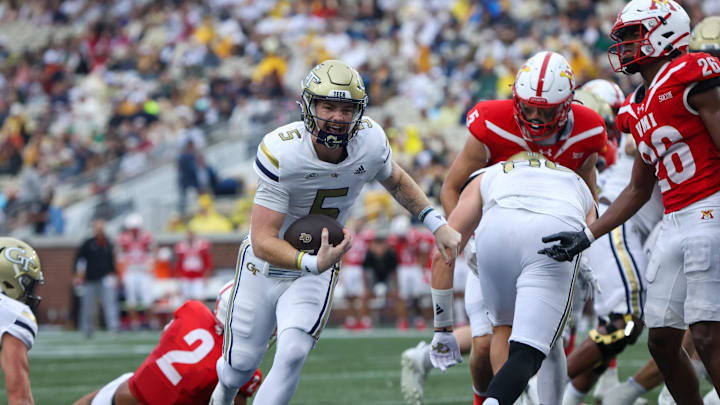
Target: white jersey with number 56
{"type": "Point", "coordinates": [537, 185]}
{"type": "Point", "coordinates": [294, 181]}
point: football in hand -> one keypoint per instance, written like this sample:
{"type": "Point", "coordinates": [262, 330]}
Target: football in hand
{"type": "Point", "coordinates": [306, 232]}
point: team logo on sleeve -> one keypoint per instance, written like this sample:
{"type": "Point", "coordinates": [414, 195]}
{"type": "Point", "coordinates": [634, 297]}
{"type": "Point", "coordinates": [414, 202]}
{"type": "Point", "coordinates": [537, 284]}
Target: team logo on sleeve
{"type": "Point", "coordinates": [707, 214]}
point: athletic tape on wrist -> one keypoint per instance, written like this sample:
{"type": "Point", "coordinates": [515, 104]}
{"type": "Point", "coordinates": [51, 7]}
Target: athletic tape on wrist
{"type": "Point", "coordinates": [589, 234]}
{"type": "Point", "coordinates": [442, 307]}
{"type": "Point", "coordinates": [431, 219]}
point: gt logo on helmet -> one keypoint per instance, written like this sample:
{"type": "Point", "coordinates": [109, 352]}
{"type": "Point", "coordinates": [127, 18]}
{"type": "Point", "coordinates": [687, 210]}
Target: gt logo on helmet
{"type": "Point", "coordinates": [17, 256]}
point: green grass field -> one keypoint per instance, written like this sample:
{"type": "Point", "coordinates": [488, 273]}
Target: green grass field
{"type": "Point", "coordinates": [344, 368]}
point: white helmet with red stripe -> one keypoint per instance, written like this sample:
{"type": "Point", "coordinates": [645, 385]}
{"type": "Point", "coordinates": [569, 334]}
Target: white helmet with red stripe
{"type": "Point", "coordinates": [542, 94]}
{"type": "Point", "coordinates": [223, 302]}
{"type": "Point", "coordinates": [647, 29]}
{"type": "Point", "coordinates": [607, 90]}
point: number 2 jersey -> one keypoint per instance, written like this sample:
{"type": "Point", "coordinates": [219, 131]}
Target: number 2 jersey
{"type": "Point", "coordinates": [669, 132]}
{"type": "Point", "coordinates": [181, 368]}
{"type": "Point", "coordinates": [294, 181]}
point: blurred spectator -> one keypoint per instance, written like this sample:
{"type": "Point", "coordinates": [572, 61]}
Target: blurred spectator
{"type": "Point", "coordinates": [381, 260]}
{"type": "Point", "coordinates": [95, 278]}
{"type": "Point", "coordinates": [354, 285]}
{"type": "Point", "coordinates": [47, 218]}
{"type": "Point", "coordinates": [163, 264]}
{"type": "Point", "coordinates": [410, 247]}
{"type": "Point", "coordinates": [187, 173]}
{"type": "Point", "coordinates": [136, 247]}
{"type": "Point", "coordinates": [193, 264]}
{"type": "Point", "coordinates": [209, 181]}
{"type": "Point", "coordinates": [207, 220]}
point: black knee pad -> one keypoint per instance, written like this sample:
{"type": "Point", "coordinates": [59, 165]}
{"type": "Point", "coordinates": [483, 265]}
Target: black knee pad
{"type": "Point", "coordinates": [527, 355]}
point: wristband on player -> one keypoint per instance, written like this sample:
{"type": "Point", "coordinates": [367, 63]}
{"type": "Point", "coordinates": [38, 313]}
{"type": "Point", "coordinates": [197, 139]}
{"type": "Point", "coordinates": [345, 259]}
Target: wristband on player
{"type": "Point", "coordinates": [307, 263]}
{"type": "Point", "coordinates": [431, 219]}
{"type": "Point", "coordinates": [589, 234]}
{"type": "Point", "coordinates": [442, 307]}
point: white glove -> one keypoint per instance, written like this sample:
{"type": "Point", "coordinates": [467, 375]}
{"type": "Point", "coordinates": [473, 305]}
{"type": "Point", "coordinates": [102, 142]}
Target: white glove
{"type": "Point", "coordinates": [444, 351]}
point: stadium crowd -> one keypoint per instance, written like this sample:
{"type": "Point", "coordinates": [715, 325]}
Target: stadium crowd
{"type": "Point", "coordinates": [96, 92]}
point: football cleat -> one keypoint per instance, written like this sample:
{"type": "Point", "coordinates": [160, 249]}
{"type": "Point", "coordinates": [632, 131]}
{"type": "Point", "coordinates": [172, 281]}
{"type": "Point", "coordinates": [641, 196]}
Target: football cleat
{"type": "Point", "coordinates": [414, 373]}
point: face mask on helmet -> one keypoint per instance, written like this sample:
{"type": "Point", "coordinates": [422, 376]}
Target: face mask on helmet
{"type": "Point", "coordinates": [332, 103]}
{"type": "Point", "coordinates": [645, 30]}
{"type": "Point", "coordinates": [335, 121]}
{"type": "Point", "coordinates": [542, 95]}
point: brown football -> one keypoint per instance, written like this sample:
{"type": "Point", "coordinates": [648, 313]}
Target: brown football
{"type": "Point", "coordinates": [305, 233]}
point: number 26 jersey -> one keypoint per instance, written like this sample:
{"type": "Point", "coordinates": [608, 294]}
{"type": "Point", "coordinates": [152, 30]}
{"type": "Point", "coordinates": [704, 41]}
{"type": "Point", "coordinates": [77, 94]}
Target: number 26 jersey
{"type": "Point", "coordinates": [670, 133]}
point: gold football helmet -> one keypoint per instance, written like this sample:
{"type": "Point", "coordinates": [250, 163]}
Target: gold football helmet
{"type": "Point", "coordinates": [333, 80]}
{"type": "Point", "coordinates": [706, 35]}
{"type": "Point", "coordinates": [19, 271]}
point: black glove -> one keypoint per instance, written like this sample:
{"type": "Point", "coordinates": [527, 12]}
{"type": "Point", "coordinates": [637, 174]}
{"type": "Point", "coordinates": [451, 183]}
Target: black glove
{"type": "Point", "coordinates": [571, 243]}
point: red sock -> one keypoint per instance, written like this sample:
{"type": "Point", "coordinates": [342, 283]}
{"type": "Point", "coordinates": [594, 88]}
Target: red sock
{"type": "Point", "coordinates": [479, 399]}
{"type": "Point", "coordinates": [570, 346]}
{"type": "Point", "coordinates": [613, 363]}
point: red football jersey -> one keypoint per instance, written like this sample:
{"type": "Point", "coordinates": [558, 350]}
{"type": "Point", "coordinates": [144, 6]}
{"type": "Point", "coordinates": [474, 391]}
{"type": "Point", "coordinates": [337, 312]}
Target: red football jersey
{"type": "Point", "coordinates": [670, 134]}
{"type": "Point", "coordinates": [356, 255]}
{"type": "Point", "coordinates": [135, 249]}
{"type": "Point", "coordinates": [193, 260]}
{"type": "Point", "coordinates": [492, 123]}
{"type": "Point", "coordinates": [181, 368]}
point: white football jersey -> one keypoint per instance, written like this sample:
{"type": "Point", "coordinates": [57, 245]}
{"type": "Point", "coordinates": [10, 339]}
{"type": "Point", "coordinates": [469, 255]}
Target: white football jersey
{"type": "Point", "coordinates": [615, 178]}
{"type": "Point", "coordinates": [294, 181]}
{"type": "Point", "coordinates": [18, 320]}
{"type": "Point", "coordinates": [539, 186]}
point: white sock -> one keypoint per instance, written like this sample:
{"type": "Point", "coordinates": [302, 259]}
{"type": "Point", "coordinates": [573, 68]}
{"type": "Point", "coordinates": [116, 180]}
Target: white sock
{"type": "Point", "coordinates": [293, 346]}
{"type": "Point", "coordinates": [637, 388]}
{"type": "Point", "coordinates": [491, 401]}
{"type": "Point", "coordinates": [223, 395]}
{"type": "Point", "coordinates": [572, 395]}
{"type": "Point", "coordinates": [552, 376]}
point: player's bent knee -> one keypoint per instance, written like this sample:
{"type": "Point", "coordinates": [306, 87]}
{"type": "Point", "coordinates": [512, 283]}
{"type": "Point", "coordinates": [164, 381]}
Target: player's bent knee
{"type": "Point", "coordinates": [232, 377]}
{"type": "Point", "coordinates": [704, 336]}
{"type": "Point", "coordinates": [293, 346]}
{"type": "Point", "coordinates": [481, 346]}
{"type": "Point", "coordinates": [526, 354]}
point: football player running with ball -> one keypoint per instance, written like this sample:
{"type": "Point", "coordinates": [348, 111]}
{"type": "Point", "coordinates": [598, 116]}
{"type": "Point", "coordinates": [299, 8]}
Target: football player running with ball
{"type": "Point", "coordinates": [675, 120]}
{"type": "Point", "coordinates": [20, 273]}
{"type": "Point", "coordinates": [315, 166]}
